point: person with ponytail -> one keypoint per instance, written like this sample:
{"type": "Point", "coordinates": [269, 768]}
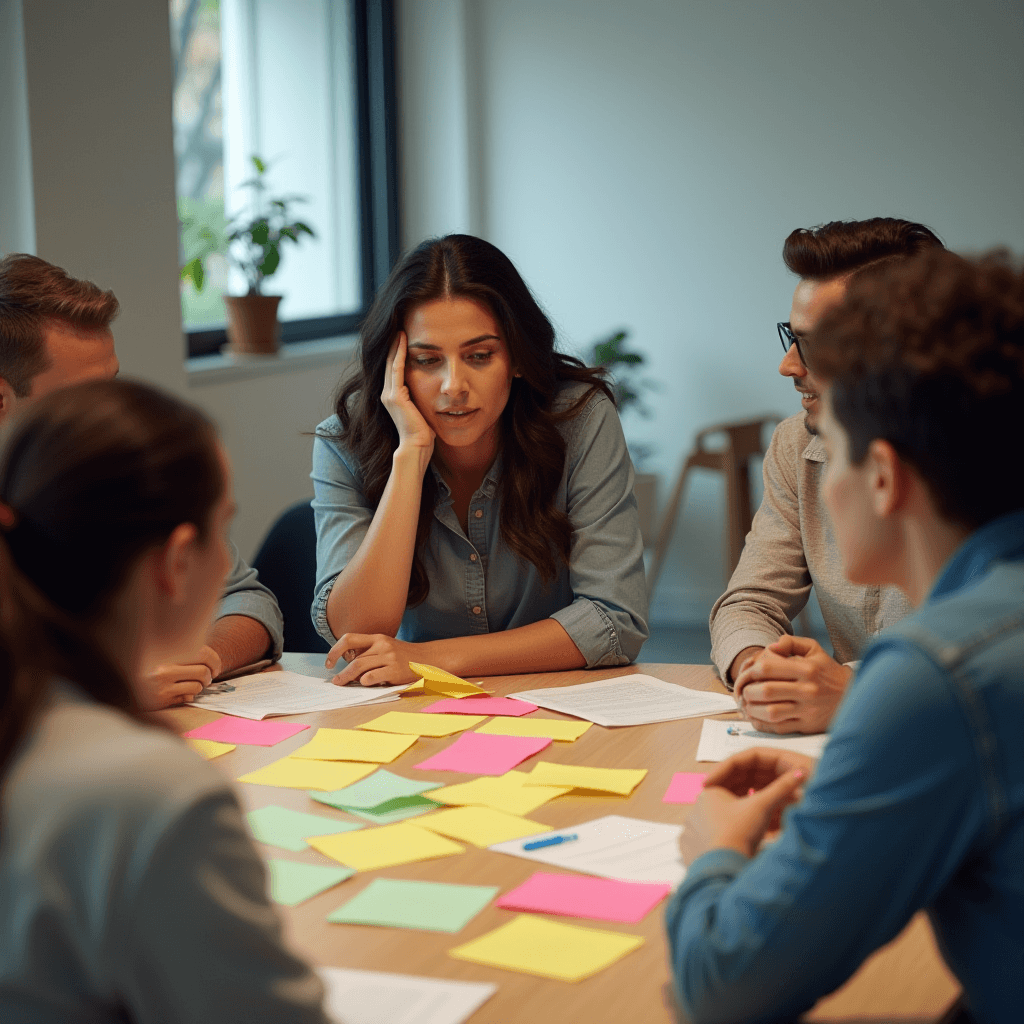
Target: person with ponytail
{"type": "Point", "coordinates": [129, 888]}
{"type": "Point", "coordinates": [473, 492]}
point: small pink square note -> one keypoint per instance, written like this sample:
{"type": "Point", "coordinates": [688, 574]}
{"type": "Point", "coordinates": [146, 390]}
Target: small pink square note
{"type": "Point", "coordinates": [603, 899]}
{"type": "Point", "coordinates": [684, 788]}
{"type": "Point", "coordinates": [241, 730]}
{"type": "Point", "coordinates": [482, 706]}
{"type": "Point", "coordinates": [478, 754]}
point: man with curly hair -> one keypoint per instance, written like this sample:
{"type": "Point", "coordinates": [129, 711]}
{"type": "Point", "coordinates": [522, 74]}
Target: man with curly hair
{"type": "Point", "coordinates": [791, 546]}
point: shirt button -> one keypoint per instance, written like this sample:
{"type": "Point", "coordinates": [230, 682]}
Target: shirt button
{"type": "Point", "coordinates": [476, 609]}
{"type": "Point", "coordinates": [479, 513]}
{"type": "Point", "coordinates": [472, 558]}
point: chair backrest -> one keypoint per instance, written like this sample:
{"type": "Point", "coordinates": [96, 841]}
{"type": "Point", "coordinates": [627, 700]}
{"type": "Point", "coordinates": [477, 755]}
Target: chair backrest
{"type": "Point", "coordinates": [286, 562]}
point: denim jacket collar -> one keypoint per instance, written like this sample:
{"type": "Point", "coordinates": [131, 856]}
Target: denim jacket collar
{"type": "Point", "coordinates": [1001, 539]}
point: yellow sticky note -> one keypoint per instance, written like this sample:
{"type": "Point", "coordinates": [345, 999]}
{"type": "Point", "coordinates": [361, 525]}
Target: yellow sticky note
{"type": "Point", "coordinates": [546, 727]}
{"type": "Point", "coordinates": [352, 745]}
{"type": "Point", "coordinates": [549, 949]}
{"type": "Point", "coordinates": [385, 847]}
{"type": "Point", "coordinates": [438, 681]}
{"type": "Point", "coordinates": [210, 748]}
{"type": "Point", "coordinates": [481, 826]}
{"type": "Point", "coordinates": [578, 776]}
{"type": "Point", "coordinates": [503, 792]}
{"type": "Point", "coordinates": [415, 723]}
{"type": "Point", "coordinates": [300, 774]}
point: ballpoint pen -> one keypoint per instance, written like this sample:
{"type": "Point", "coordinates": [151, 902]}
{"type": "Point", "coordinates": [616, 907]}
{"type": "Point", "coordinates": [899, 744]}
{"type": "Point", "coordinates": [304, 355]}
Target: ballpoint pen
{"type": "Point", "coordinates": [539, 844]}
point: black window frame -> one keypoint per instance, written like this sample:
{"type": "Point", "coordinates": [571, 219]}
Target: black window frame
{"type": "Point", "coordinates": [373, 24]}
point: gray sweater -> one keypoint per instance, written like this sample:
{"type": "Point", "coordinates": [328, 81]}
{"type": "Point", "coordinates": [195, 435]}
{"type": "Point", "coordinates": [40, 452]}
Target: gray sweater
{"type": "Point", "coordinates": [129, 888]}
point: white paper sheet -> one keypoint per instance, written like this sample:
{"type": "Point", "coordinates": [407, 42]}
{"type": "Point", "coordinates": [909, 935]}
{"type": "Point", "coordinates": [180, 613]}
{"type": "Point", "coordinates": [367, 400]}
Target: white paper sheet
{"type": "Point", "coordinates": [267, 694]}
{"type": "Point", "coordinates": [716, 743]}
{"type": "Point", "coordinates": [373, 997]}
{"type": "Point", "coordinates": [629, 700]}
{"type": "Point", "coordinates": [629, 849]}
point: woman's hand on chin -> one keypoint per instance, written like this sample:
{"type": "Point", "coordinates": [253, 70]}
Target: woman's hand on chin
{"type": "Point", "coordinates": [373, 660]}
{"type": "Point", "coordinates": [413, 429]}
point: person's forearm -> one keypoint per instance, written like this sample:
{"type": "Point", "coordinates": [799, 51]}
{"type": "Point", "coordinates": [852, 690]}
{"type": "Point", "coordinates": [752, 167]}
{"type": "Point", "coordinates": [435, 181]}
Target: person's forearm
{"type": "Point", "coordinates": [539, 647]}
{"type": "Point", "coordinates": [238, 640]}
{"type": "Point", "coordinates": [370, 594]}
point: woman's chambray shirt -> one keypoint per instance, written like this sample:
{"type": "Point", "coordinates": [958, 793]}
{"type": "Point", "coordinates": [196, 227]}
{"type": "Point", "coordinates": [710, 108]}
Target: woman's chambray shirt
{"type": "Point", "coordinates": [477, 584]}
{"type": "Point", "coordinates": [917, 803]}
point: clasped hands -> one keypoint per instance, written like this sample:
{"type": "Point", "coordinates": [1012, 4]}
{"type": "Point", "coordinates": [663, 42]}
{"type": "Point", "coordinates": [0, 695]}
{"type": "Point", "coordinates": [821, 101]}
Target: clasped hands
{"type": "Point", "coordinates": [743, 800]}
{"type": "Point", "coordinates": [791, 686]}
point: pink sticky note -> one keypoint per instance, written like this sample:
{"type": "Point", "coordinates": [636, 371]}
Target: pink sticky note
{"type": "Point", "coordinates": [478, 754]}
{"type": "Point", "coordinates": [684, 788]}
{"type": "Point", "coordinates": [482, 706]}
{"type": "Point", "coordinates": [241, 730]}
{"type": "Point", "coordinates": [603, 899]}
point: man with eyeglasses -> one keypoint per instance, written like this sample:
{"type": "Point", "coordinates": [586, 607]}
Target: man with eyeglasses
{"type": "Point", "coordinates": [785, 683]}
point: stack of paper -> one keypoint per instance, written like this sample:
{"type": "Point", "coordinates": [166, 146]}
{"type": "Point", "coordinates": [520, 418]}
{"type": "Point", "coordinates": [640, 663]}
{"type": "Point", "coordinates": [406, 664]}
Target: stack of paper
{"type": "Point", "coordinates": [369, 997]}
{"type": "Point", "coordinates": [549, 949]}
{"type": "Point", "coordinates": [613, 847]}
{"type": "Point", "coordinates": [719, 740]}
{"type": "Point", "coordinates": [288, 693]}
{"type": "Point", "coordinates": [629, 700]}
{"type": "Point", "coordinates": [426, 906]}
{"type": "Point", "coordinates": [503, 793]}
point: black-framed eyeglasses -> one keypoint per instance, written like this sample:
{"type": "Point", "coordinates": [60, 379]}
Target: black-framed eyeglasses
{"type": "Point", "coordinates": [789, 339]}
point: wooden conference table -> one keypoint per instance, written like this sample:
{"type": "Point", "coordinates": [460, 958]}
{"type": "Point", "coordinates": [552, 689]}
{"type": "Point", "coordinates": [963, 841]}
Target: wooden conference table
{"type": "Point", "coordinates": [906, 981]}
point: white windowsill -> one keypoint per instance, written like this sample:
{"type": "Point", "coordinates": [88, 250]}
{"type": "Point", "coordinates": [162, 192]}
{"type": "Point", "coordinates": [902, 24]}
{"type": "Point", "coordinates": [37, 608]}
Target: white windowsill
{"type": "Point", "coordinates": [299, 355]}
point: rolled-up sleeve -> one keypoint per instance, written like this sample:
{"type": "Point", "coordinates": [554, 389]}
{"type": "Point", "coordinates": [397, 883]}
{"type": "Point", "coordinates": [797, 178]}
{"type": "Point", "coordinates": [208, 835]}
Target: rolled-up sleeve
{"type": "Point", "coordinates": [245, 595]}
{"type": "Point", "coordinates": [342, 516]}
{"type": "Point", "coordinates": [607, 619]}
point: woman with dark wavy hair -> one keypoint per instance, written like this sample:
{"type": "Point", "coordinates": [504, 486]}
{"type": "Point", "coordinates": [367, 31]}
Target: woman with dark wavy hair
{"type": "Point", "coordinates": [474, 496]}
{"type": "Point", "coordinates": [129, 887]}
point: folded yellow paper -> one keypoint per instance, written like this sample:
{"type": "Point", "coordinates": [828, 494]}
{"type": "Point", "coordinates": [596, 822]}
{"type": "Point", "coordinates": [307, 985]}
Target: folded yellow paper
{"type": "Point", "coordinates": [549, 727]}
{"type": "Point", "coordinates": [436, 680]}
{"type": "Point", "coordinates": [604, 780]}
{"type": "Point", "coordinates": [549, 949]}
{"type": "Point", "coordinates": [351, 745]}
{"type": "Point", "coordinates": [412, 723]}
{"type": "Point", "coordinates": [302, 774]}
{"type": "Point", "coordinates": [481, 826]}
{"type": "Point", "coordinates": [384, 847]}
{"type": "Point", "coordinates": [502, 792]}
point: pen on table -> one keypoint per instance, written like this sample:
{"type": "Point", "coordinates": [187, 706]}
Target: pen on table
{"type": "Point", "coordinates": [734, 730]}
{"type": "Point", "coordinates": [539, 844]}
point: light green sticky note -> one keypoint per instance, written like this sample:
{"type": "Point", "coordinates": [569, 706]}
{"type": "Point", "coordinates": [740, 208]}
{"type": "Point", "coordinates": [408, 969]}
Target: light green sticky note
{"type": "Point", "coordinates": [291, 883]}
{"type": "Point", "coordinates": [374, 790]}
{"type": "Point", "coordinates": [427, 906]}
{"type": "Point", "coordinates": [279, 826]}
{"type": "Point", "coordinates": [395, 810]}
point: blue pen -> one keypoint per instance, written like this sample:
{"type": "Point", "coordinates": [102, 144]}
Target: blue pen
{"type": "Point", "coordinates": [539, 844]}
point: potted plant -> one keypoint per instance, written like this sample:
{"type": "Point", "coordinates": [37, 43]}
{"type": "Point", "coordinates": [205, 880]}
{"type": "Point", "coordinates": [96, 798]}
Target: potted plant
{"type": "Point", "coordinates": [252, 241]}
{"type": "Point", "coordinates": [622, 366]}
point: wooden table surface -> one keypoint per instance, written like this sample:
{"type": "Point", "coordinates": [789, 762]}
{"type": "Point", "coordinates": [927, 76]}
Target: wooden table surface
{"type": "Point", "coordinates": [906, 979]}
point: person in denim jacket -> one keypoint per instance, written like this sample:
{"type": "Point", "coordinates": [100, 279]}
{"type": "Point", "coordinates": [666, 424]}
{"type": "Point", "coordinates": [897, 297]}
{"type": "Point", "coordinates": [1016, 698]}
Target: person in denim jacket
{"type": "Point", "coordinates": [917, 802]}
{"type": "Point", "coordinates": [474, 497]}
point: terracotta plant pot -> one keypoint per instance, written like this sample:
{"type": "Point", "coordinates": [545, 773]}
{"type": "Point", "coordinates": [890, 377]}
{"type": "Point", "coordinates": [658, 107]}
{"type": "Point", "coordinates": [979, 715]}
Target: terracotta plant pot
{"type": "Point", "coordinates": [252, 324]}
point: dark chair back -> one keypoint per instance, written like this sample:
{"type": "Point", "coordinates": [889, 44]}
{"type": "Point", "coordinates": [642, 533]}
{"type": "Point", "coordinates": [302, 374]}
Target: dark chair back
{"type": "Point", "coordinates": [286, 562]}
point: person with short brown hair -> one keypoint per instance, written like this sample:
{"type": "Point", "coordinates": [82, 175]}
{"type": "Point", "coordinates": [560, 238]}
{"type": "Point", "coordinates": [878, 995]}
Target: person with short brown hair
{"type": "Point", "coordinates": [54, 332]}
{"type": "Point", "coordinates": [791, 547]}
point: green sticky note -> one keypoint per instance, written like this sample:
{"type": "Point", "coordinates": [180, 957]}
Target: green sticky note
{"type": "Point", "coordinates": [291, 883]}
{"type": "Point", "coordinates": [279, 826]}
{"type": "Point", "coordinates": [374, 790]}
{"type": "Point", "coordinates": [395, 810]}
{"type": "Point", "coordinates": [426, 906]}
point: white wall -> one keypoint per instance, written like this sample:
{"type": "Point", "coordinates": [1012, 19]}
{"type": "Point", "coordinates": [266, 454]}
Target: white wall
{"type": "Point", "coordinates": [642, 164]}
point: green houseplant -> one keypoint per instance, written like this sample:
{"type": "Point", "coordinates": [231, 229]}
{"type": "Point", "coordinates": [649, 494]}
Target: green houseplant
{"type": "Point", "coordinates": [252, 241]}
{"type": "Point", "coordinates": [627, 386]}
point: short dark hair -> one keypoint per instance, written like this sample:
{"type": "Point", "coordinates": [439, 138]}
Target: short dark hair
{"type": "Point", "coordinates": [33, 294]}
{"type": "Point", "coordinates": [847, 246]}
{"type": "Point", "coordinates": [929, 356]}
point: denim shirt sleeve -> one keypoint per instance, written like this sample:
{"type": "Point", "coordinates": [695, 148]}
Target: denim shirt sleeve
{"type": "Point", "coordinates": [342, 515]}
{"type": "Point", "coordinates": [884, 825]}
{"type": "Point", "coordinates": [607, 619]}
{"type": "Point", "coordinates": [245, 595]}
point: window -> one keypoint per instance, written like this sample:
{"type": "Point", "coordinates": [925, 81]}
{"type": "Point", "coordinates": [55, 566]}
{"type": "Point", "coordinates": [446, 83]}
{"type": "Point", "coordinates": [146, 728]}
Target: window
{"type": "Point", "coordinates": [308, 87]}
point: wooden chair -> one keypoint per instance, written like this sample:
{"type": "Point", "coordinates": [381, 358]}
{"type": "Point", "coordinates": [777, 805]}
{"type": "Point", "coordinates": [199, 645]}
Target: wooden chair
{"type": "Point", "coordinates": [742, 441]}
